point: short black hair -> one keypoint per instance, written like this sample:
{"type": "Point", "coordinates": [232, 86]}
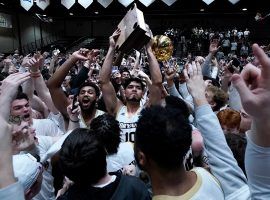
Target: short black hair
{"type": "Point", "coordinates": [133, 79]}
{"type": "Point", "coordinates": [91, 84]}
{"type": "Point", "coordinates": [107, 130]}
{"type": "Point", "coordinates": [83, 157]}
{"type": "Point", "coordinates": [177, 103]}
{"type": "Point", "coordinates": [21, 95]}
{"type": "Point", "coordinates": [163, 135]}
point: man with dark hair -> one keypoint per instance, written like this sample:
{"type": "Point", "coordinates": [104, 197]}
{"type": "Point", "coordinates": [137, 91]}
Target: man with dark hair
{"type": "Point", "coordinates": [128, 114]}
{"type": "Point", "coordinates": [106, 128]}
{"type": "Point", "coordinates": [83, 160]}
{"type": "Point", "coordinates": [87, 95]}
{"type": "Point", "coordinates": [160, 151]}
{"type": "Point", "coordinates": [20, 107]}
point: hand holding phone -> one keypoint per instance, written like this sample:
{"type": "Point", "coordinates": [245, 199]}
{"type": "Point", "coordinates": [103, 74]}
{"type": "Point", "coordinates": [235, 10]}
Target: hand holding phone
{"type": "Point", "coordinates": [74, 105]}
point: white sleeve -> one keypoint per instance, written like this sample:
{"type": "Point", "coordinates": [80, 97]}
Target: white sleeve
{"type": "Point", "coordinates": [44, 144]}
{"type": "Point", "coordinates": [12, 192]}
{"type": "Point", "coordinates": [46, 127]}
{"type": "Point", "coordinates": [234, 98]}
{"type": "Point", "coordinates": [58, 119]}
{"type": "Point", "coordinates": [257, 164]}
{"type": "Point", "coordinates": [173, 91]}
{"type": "Point", "coordinates": [222, 163]}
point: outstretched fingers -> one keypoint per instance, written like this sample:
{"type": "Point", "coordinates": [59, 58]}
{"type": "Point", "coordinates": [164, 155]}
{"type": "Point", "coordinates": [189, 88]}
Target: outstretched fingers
{"type": "Point", "coordinates": [263, 59]}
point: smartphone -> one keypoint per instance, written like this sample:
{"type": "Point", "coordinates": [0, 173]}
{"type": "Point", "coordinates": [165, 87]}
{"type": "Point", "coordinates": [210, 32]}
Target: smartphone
{"type": "Point", "coordinates": [235, 62]}
{"type": "Point", "coordinates": [74, 106]}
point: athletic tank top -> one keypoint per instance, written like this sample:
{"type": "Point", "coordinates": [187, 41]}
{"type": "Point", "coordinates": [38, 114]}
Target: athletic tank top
{"type": "Point", "coordinates": [127, 124]}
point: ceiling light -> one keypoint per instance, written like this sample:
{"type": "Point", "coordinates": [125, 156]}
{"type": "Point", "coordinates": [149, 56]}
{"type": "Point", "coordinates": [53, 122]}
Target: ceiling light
{"type": "Point", "coordinates": [244, 9]}
{"type": "Point", "coordinates": [96, 12]}
{"type": "Point", "coordinates": [71, 14]}
{"type": "Point", "coordinates": [44, 15]}
{"type": "Point", "coordinates": [202, 10]}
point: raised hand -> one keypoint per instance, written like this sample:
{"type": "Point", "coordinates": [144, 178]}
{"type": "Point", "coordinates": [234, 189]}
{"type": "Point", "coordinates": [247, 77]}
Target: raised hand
{"type": "Point", "coordinates": [195, 83]}
{"type": "Point", "coordinates": [10, 84]}
{"type": "Point", "coordinates": [170, 73]}
{"type": "Point", "coordinates": [113, 38]}
{"type": "Point", "coordinates": [25, 61]}
{"type": "Point", "coordinates": [74, 114]}
{"type": "Point", "coordinates": [92, 55]}
{"type": "Point", "coordinates": [35, 62]}
{"type": "Point", "coordinates": [81, 54]}
{"type": "Point", "coordinates": [253, 85]}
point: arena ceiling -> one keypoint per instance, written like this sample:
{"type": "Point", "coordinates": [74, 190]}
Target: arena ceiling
{"type": "Point", "coordinates": [158, 7]}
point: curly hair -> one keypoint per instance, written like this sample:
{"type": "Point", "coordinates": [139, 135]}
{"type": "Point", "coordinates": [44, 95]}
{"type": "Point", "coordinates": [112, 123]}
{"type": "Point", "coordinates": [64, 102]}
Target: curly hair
{"type": "Point", "coordinates": [106, 129]}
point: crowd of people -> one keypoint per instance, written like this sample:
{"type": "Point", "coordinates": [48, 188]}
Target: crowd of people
{"type": "Point", "coordinates": [83, 125]}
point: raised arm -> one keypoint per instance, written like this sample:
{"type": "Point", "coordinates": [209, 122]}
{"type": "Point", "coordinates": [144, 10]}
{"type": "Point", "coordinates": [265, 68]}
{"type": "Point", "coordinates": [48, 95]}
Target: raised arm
{"type": "Point", "coordinates": [213, 48]}
{"type": "Point", "coordinates": [39, 83]}
{"type": "Point", "coordinates": [169, 76]}
{"type": "Point", "coordinates": [108, 92]}
{"type": "Point", "coordinates": [253, 85]}
{"type": "Point", "coordinates": [8, 90]}
{"type": "Point", "coordinates": [156, 78]}
{"type": "Point", "coordinates": [222, 162]}
{"type": "Point", "coordinates": [54, 84]}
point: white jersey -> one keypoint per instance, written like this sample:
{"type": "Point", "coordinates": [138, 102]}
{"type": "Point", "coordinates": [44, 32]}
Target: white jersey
{"type": "Point", "coordinates": [206, 187]}
{"type": "Point", "coordinates": [123, 157]}
{"type": "Point", "coordinates": [82, 122]}
{"type": "Point", "coordinates": [128, 124]}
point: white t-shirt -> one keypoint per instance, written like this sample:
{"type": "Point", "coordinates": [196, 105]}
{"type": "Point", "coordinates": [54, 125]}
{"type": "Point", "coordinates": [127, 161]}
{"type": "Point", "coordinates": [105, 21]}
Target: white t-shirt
{"type": "Point", "coordinates": [46, 127]}
{"type": "Point", "coordinates": [124, 156]}
{"type": "Point", "coordinates": [206, 187]}
{"type": "Point", "coordinates": [246, 33]}
{"type": "Point", "coordinates": [47, 189]}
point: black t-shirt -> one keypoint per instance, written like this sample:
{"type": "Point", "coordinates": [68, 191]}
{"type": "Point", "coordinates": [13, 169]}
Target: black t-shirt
{"type": "Point", "coordinates": [124, 187]}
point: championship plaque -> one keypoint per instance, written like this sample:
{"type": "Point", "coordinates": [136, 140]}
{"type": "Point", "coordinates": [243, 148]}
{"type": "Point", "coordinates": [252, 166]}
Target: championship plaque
{"type": "Point", "coordinates": [134, 32]}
